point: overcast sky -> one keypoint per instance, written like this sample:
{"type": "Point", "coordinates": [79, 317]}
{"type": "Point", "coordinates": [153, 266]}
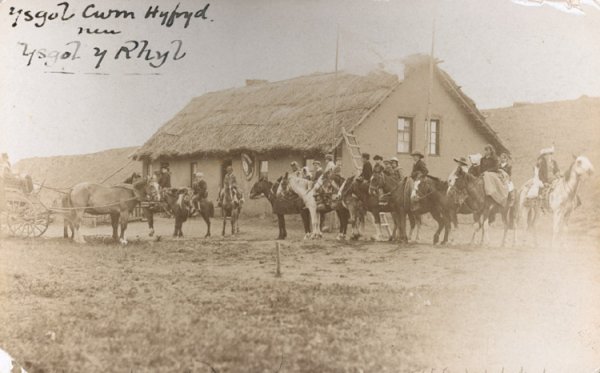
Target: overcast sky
{"type": "Point", "coordinates": [498, 51]}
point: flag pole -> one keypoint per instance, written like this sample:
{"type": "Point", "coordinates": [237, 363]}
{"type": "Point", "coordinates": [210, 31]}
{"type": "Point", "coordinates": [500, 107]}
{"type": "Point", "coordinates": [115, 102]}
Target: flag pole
{"type": "Point", "coordinates": [429, 91]}
{"type": "Point", "coordinates": [335, 85]}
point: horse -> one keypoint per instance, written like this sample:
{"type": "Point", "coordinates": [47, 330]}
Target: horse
{"type": "Point", "coordinates": [305, 189]}
{"type": "Point", "coordinates": [429, 195]}
{"type": "Point", "coordinates": [206, 209]}
{"type": "Point", "coordinates": [281, 206]}
{"type": "Point", "coordinates": [483, 205]}
{"type": "Point", "coordinates": [347, 196]}
{"type": "Point", "coordinates": [179, 201]}
{"type": "Point", "coordinates": [395, 189]}
{"type": "Point", "coordinates": [117, 201]}
{"type": "Point", "coordinates": [562, 198]}
{"type": "Point", "coordinates": [231, 209]}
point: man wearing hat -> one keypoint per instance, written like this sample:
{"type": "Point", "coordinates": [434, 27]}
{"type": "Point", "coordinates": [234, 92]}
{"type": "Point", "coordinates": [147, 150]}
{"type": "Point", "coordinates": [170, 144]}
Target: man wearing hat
{"type": "Point", "coordinates": [296, 171]}
{"type": "Point", "coordinates": [547, 167]}
{"type": "Point", "coordinates": [329, 164]}
{"type": "Point", "coordinates": [462, 163]}
{"type": "Point", "coordinates": [387, 167]}
{"type": "Point", "coordinates": [419, 167]}
{"type": "Point", "coordinates": [396, 170]}
{"type": "Point", "coordinates": [317, 170]}
{"type": "Point", "coordinates": [367, 169]}
{"type": "Point", "coordinates": [164, 179]}
{"type": "Point", "coordinates": [378, 167]}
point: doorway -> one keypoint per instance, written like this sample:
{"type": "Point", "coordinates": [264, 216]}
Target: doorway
{"type": "Point", "coordinates": [226, 163]}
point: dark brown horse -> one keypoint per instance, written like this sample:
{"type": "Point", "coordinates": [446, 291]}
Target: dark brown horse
{"type": "Point", "coordinates": [429, 195]}
{"type": "Point", "coordinates": [348, 196]}
{"type": "Point", "coordinates": [482, 205]}
{"type": "Point", "coordinates": [281, 206]}
{"type": "Point", "coordinates": [205, 208]}
{"type": "Point", "coordinates": [117, 201]}
{"type": "Point", "coordinates": [395, 190]}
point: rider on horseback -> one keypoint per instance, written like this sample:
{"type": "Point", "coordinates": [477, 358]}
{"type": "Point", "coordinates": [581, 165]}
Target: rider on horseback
{"type": "Point", "coordinates": [546, 172]}
{"type": "Point", "coordinates": [230, 183]}
{"type": "Point", "coordinates": [199, 190]}
{"type": "Point", "coordinates": [419, 168]}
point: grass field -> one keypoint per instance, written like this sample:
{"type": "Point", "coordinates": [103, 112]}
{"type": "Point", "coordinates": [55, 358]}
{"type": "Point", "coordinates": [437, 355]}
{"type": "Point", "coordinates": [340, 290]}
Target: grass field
{"type": "Point", "coordinates": [197, 305]}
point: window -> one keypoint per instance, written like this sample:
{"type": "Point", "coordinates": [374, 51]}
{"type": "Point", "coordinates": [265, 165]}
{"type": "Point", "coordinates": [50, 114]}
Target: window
{"type": "Point", "coordinates": [434, 137]}
{"type": "Point", "coordinates": [404, 135]}
{"type": "Point", "coordinates": [193, 170]}
{"type": "Point", "coordinates": [264, 169]}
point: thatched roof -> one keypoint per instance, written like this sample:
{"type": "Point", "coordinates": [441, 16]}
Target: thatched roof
{"type": "Point", "coordinates": [293, 114]}
{"type": "Point", "coordinates": [289, 115]}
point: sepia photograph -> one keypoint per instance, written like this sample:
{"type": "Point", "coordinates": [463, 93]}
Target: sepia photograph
{"type": "Point", "coordinates": [300, 186]}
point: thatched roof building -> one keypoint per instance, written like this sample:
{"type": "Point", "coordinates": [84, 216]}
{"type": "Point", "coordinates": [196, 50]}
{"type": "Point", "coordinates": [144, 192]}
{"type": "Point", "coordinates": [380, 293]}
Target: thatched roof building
{"type": "Point", "coordinates": [288, 115]}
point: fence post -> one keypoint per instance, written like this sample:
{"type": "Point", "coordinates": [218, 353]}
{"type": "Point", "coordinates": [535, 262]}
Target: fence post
{"type": "Point", "coordinates": [277, 260]}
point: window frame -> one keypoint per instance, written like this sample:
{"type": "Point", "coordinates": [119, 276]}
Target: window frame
{"type": "Point", "coordinates": [410, 134]}
{"type": "Point", "coordinates": [437, 133]}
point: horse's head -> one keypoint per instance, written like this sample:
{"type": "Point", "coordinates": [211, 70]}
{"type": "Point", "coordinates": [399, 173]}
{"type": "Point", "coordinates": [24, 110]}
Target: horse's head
{"type": "Point", "coordinates": [583, 166]}
{"type": "Point", "coordinates": [147, 189]}
{"type": "Point", "coordinates": [261, 188]}
{"type": "Point", "coordinates": [461, 179]}
{"type": "Point", "coordinates": [377, 182]}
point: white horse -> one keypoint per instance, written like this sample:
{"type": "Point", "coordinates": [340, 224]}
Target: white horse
{"type": "Point", "coordinates": [562, 197]}
{"type": "Point", "coordinates": [306, 190]}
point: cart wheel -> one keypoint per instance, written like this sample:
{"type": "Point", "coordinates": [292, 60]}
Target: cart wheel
{"type": "Point", "coordinates": [25, 217]}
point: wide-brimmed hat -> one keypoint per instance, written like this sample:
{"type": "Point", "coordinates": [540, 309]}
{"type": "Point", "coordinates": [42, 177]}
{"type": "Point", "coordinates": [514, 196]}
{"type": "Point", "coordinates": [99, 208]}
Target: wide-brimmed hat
{"type": "Point", "coordinates": [394, 159]}
{"type": "Point", "coordinates": [294, 163]}
{"type": "Point", "coordinates": [378, 158]}
{"type": "Point", "coordinates": [387, 161]}
{"type": "Point", "coordinates": [328, 156]}
{"type": "Point", "coordinates": [475, 158]}
{"type": "Point", "coordinates": [417, 153]}
{"type": "Point", "coordinates": [199, 174]}
{"type": "Point", "coordinates": [316, 163]}
{"type": "Point", "coordinates": [461, 160]}
{"type": "Point", "coordinates": [549, 150]}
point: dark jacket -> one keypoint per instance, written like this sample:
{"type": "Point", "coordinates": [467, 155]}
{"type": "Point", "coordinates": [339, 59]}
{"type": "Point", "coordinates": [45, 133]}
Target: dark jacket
{"type": "Point", "coordinates": [475, 170]}
{"type": "Point", "coordinates": [367, 171]}
{"type": "Point", "coordinates": [489, 164]}
{"type": "Point", "coordinates": [164, 180]}
{"type": "Point", "coordinates": [419, 169]}
{"type": "Point", "coordinates": [547, 172]}
{"type": "Point", "coordinates": [507, 168]}
{"type": "Point", "coordinates": [200, 189]}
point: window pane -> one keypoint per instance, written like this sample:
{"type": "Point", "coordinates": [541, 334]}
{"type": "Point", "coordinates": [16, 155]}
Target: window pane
{"type": "Point", "coordinates": [404, 135]}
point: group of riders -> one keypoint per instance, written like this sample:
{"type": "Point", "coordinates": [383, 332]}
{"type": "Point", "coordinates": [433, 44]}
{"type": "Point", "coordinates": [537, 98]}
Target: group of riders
{"type": "Point", "coordinates": [327, 180]}
{"type": "Point", "coordinates": [199, 187]}
{"type": "Point", "coordinates": [546, 171]}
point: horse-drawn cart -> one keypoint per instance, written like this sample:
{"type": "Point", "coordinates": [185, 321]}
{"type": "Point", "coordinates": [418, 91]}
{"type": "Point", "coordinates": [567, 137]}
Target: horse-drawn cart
{"type": "Point", "coordinates": [26, 215]}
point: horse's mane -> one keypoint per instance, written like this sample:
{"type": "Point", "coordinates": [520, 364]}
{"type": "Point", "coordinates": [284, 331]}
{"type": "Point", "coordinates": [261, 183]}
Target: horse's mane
{"type": "Point", "coordinates": [438, 183]}
{"type": "Point", "coordinates": [569, 170]}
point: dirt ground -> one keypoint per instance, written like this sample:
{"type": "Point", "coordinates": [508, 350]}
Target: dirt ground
{"type": "Point", "coordinates": [202, 305]}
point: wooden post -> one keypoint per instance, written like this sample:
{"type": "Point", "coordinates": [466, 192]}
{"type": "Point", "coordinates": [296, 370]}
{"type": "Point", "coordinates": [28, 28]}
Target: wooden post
{"type": "Point", "coordinates": [277, 260]}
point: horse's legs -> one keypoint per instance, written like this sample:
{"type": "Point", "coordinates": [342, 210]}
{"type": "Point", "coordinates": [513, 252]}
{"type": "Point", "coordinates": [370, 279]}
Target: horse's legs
{"type": "Point", "coordinates": [447, 226]}
{"type": "Point", "coordinates": [206, 218]}
{"type": "Point", "coordinates": [124, 218]}
{"type": "Point", "coordinates": [280, 226]}
{"type": "Point", "coordinates": [150, 217]}
{"type": "Point", "coordinates": [77, 217]}
{"type": "Point", "coordinates": [435, 214]}
{"type": "Point", "coordinates": [343, 216]}
{"type": "Point", "coordinates": [476, 226]}
{"type": "Point", "coordinates": [233, 221]}
{"type": "Point", "coordinates": [114, 221]}
{"type": "Point", "coordinates": [556, 223]}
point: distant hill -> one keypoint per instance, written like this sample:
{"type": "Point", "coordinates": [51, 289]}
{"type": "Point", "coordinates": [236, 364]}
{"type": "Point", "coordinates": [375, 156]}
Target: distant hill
{"type": "Point", "coordinates": [573, 127]}
{"type": "Point", "coordinates": [68, 170]}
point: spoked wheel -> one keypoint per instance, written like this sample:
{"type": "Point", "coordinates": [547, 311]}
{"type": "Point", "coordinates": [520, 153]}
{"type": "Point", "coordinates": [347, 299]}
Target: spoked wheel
{"type": "Point", "coordinates": [25, 217]}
